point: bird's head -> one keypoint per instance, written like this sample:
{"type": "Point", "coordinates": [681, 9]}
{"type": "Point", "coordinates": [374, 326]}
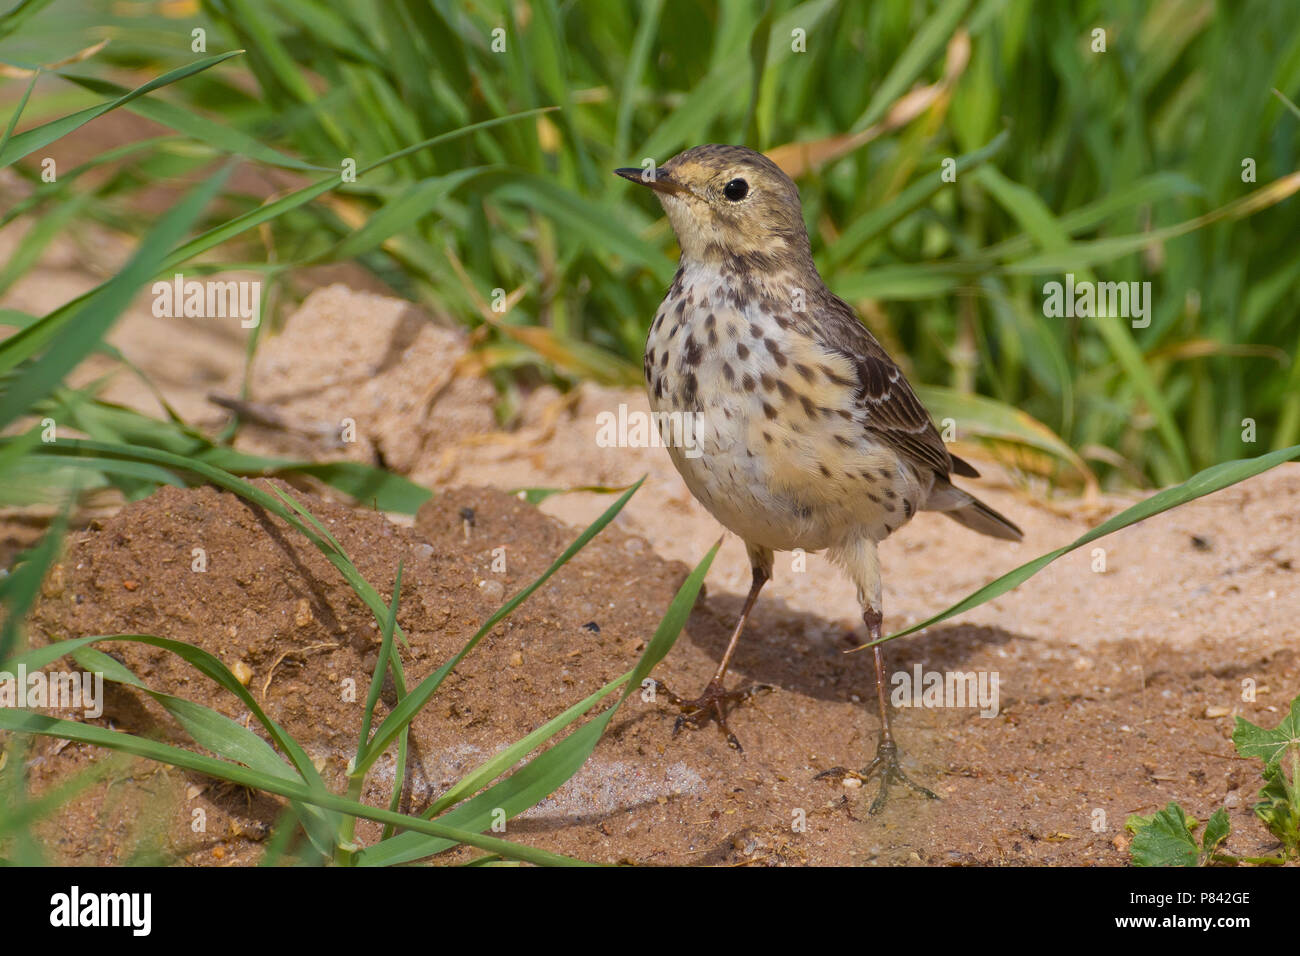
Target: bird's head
{"type": "Point", "coordinates": [729, 202]}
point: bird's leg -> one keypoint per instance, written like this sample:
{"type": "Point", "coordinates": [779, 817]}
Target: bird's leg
{"type": "Point", "coordinates": [712, 704]}
{"type": "Point", "coordinates": [886, 759]}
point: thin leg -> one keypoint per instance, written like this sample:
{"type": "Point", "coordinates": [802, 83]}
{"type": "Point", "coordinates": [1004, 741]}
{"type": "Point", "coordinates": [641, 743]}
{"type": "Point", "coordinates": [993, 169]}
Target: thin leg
{"type": "Point", "coordinates": [712, 704]}
{"type": "Point", "coordinates": [760, 578]}
{"type": "Point", "coordinates": [886, 759]}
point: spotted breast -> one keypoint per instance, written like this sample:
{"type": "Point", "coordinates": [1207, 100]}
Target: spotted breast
{"type": "Point", "coordinates": [781, 455]}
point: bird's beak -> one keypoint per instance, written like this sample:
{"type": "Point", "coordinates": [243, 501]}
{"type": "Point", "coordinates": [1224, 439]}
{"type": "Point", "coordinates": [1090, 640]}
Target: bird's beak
{"type": "Point", "coordinates": [661, 183]}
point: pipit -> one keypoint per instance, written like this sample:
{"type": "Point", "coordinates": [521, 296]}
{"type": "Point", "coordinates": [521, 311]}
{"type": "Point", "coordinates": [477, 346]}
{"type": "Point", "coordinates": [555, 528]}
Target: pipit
{"type": "Point", "coordinates": [814, 438]}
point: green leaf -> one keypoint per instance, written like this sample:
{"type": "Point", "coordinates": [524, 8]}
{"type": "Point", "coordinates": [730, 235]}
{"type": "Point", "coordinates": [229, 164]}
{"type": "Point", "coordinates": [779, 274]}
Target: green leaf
{"type": "Point", "coordinates": [1216, 831]}
{"type": "Point", "coordinates": [18, 111]}
{"type": "Point", "coordinates": [1279, 799]}
{"type": "Point", "coordinates": [224, 139]}
{"type": "Point", "coordinates": [19, 588]}
{"type": "Point", "coordinates": [1163, 839]}
{"type": "Point", "coordinates": [498, 764]}
{"type": "Point", "coordinates": [547, 772]}
{"type": "Point", "coordinates": [875, 221]}
{"type": "Point", "coordinates": [585, 219]}
{"type": "Point", "coordinates": [270, 502]}
{"type": "Point", "coordinates": [381, 665]}
{"type": "Point", "coordinates": [1279, 804]}
{"type": "Point", "coordinates": [368, 485]}
{"type": "Point", "coordinates": [29, 722]}
{"type": "Point", "coordinates": [409, 706]}
{"type": "Point", "coordinates": [1268, 745]}
{"type": "Point", "coordinates": [403, 211]}
{"type": "Point", "coordinates": [69, 209]}
{"type": "Point", "coordinates": [81, 329]}
{"type": "Point", "coordinates": [537, 495]}
{"type": "Point", "coordinates": [642, 46]}
{"type": "Point", "coordinates": [31, 140]}
{"type": "Point", "coordinates": [927, 43]}
{"type": "Point", "coordinates": [205, 663]}
{"type": "Point", "coordinates": [219, 734]}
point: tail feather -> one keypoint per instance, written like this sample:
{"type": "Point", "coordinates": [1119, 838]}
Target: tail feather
{"type": "Point", "coordinates": [967, 510]}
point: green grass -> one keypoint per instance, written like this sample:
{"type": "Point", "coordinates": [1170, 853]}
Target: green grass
{"type": "Point", "coordinates": [480, 170]}
{"type": "Point", "coordinates": [328, 820]}
{"type": "Point", "coordinates": [1127, 163]}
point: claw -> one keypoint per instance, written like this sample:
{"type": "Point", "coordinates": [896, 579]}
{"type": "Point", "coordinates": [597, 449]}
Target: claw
{"type": "Point", "coordinates": [890, 771]}
{"type": "Point", "coordinates": [710, 705]}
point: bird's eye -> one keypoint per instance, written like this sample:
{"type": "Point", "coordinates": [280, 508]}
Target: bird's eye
{"type": "Point", "coordinates": [736, 190]}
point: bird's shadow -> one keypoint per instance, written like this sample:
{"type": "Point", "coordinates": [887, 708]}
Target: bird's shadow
{"type": "Point", "coordinates": [805, 653]}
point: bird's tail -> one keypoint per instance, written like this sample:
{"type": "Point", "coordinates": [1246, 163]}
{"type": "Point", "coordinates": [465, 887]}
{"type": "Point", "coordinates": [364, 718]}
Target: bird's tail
{"type": "Point", "coordinates": [966, 509]}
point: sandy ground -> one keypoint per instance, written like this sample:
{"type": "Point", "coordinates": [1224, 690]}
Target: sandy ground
{"type": "Point", "coordinates": [1117, 686]}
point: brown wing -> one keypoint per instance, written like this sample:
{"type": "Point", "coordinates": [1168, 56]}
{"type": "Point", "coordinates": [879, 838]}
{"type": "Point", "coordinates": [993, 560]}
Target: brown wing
{"type": "Point", "coordinates": [889, 407]}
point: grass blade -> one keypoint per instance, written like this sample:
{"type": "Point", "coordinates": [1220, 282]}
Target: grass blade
{"type": "Point", "coordinates": [407, 708]}
{"type": "Point", "coordinates": [1212, 479]}
{"type": "Point", "coordinates": [547, 772]}
{"type": "Point", "coordinates": [31, 140]}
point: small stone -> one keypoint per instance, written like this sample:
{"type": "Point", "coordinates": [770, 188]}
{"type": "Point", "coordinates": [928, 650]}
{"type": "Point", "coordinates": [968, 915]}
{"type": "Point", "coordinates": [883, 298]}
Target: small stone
{"type": "Point", "coordinates": [302, 615]}
{"type": "Point", "coordinates": [243, 673]}
{"type": "Point", "coordinates": [517, 659]}
{"type": "Point", "coordinates": [852, 783]}
{"type": "Point", "coordinates": [1212, 712]}
{"type": "Point", "coordinates": [53, 584]}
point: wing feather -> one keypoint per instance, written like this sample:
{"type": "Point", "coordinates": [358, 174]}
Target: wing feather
{"type": "Point", "coordinates": [888, 406]}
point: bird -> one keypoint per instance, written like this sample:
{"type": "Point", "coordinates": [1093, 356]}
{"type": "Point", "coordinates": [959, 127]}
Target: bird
{"type": "Point", "coordinates": [808, 435]}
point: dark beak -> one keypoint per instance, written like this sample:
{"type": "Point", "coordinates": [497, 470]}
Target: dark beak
{"type": "Point", "coordinates": [662, 182]}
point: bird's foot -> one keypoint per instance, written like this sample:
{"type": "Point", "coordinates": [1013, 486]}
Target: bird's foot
{"type": "Point", "coordinates": [886, 763]}
{"type": "Point", "coordinates": [710, 705]}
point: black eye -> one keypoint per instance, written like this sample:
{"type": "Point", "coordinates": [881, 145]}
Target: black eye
{"type": "Point", "coordinates": [736, 190]}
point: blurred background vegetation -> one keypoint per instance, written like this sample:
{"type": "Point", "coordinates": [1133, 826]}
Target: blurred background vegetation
{"type": "Point", "coordinates": [1123, 165]}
